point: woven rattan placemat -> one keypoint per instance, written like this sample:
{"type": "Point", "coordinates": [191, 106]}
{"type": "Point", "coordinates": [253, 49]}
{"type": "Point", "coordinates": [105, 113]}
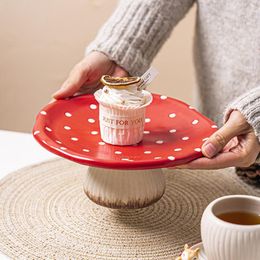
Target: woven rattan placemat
{"type": "Point", "coordinates": [44, 214]}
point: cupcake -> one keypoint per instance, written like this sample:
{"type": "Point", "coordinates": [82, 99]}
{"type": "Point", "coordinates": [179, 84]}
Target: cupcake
{"type": "Point", "coordinates": [122, 107]}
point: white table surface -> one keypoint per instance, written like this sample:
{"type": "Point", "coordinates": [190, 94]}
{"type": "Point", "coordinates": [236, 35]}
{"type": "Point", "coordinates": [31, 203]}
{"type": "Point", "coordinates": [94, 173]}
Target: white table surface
{"type": "Point", "coordinates": [18, 150]}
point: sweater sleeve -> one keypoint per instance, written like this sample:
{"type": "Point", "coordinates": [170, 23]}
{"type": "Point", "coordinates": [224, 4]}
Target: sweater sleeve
{"type": "Point", "coordinates": [137, 29]}
{"type": "Point", "coordinates": [249, 105]}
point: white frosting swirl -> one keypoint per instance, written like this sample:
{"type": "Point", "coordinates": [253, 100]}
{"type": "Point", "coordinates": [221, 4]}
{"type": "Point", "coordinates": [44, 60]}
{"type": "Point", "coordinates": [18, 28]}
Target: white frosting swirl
{"type": "Point", "coordinates": [129, 96]}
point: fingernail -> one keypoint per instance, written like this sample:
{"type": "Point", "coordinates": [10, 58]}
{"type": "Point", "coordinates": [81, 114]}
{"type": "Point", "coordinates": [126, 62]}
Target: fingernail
{"type": "Point", "coordinates": [209, 150]}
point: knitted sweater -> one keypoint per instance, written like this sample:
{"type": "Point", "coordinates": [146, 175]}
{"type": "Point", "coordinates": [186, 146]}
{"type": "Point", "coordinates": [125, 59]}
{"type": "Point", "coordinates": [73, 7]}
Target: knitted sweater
{"type": "Point", "coordinates": [226, 48]}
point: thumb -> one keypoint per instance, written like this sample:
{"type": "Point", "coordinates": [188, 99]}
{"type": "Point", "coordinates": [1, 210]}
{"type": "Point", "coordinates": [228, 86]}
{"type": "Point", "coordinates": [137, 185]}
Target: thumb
{"type": "Point", "coordinates": [219, 139]}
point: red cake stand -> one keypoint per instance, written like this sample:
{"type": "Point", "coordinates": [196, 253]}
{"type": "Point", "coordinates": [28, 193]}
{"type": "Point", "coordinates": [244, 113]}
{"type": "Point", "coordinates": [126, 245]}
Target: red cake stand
{"type": "Point", "coordinates": [123, 176]}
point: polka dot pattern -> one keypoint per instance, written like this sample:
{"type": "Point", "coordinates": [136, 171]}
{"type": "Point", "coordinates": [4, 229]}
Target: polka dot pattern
{"type": "Point", "coordinates": [93, 106]}
{"type": "Point", "coordinates": [172, 115]}
{"type": "Point", "coordinates": [71, 129]}
{"type": "Point", "coordinates": [91, 120]}
{"type": "Point", "coordinates": [67, 114]}
{"type": "Point", "coordinates": [159, 142]}
{"type": "Point", "coordinates": [48, 129]}
{"type": "Point", "coordinates": [163, 97]}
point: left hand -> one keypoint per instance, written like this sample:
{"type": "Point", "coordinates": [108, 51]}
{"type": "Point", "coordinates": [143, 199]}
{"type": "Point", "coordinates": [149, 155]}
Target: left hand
{"type": "Point", "coordinates": [234, 144]}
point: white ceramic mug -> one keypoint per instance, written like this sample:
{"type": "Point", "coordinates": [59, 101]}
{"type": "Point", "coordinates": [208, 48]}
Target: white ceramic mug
{"type": "Point", "coordinates": [226, 241]}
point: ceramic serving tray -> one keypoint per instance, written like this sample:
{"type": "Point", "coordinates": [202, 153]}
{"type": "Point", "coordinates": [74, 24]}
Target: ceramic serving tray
{"type": "Point", "coordinates": [173, 134]}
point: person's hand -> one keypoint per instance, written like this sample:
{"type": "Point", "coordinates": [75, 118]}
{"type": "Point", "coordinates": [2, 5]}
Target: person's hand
{"type": "Point", "coordinates": [234, 144]}
{"type": "Point", "coordinates": [85, 76]}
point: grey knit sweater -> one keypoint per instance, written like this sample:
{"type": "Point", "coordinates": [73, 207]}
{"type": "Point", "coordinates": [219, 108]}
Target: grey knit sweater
{"type": "Point", "coordinates": [226, 49]}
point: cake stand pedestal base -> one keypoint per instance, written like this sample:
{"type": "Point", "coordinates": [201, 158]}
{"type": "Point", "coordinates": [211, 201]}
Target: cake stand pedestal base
{"type": "Point", "coordinates": [128, 189]}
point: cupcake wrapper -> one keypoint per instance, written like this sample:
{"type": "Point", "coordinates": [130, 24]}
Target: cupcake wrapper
{"type": "Point", "coordinates": [120, 125]}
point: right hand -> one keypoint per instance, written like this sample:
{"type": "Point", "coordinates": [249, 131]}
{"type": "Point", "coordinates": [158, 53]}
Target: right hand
{"type": "Point", "coordinates": [85, 76]}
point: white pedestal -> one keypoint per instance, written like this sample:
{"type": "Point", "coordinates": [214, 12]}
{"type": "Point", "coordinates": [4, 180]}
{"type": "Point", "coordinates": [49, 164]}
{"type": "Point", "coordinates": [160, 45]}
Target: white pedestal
{"type": "Point", "coordinates": [124, 188]}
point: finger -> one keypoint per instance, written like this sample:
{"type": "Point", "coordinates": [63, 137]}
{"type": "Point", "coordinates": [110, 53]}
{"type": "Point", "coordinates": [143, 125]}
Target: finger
{"type": "Point", "coordinates": [220, 139]}
{"type": "Point", "coordinates": [231, 144]}
{"type": "Point", "coordinates": [88, 89]}
{"type": "Point", "coordinates": [222, 160]}
{"type": "Point", "coordinates": [52, 100]}
{"type": "Point", "coordinates": [77, 78]}
{"type": "Point", "coordinates": [120, 72]}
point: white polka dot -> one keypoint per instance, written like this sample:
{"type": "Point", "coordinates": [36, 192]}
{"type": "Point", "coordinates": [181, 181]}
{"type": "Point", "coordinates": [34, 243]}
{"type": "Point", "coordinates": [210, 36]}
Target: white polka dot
{"type": "Point", "coordinates": [74, 138]}
{"type": "Point", "coordinates": [94, 132]}
{"type": "Point", "coordinates": [214, 126]}
{"type": "Point", "coordinates": [146, 132]}
{"type": "Point", "coordinates": [101, 143]}
{"type": "Point", "coordinates": [48, 129]}
{"type": "Point", "coordinates": [43, 113]}
{"type": "Point", "coordinates": [86, 150]}
{"type": "Point", "coordinates": [157, 157]}
{"type": "Point", "coordinates": [196, 121]}
{"type": "Point", "coordinates": [36, 132]}
{"type": "Point", "coordinates": [67, 114]}
{"type": "Point", "coordinates": [58, 142]}
{"type": "Point", "coordinates": [185, 138]}
{"type": "Point", "coordinates": [63, 148]}
{"type": "Point", "coordinates": [172, 115]}
{"type": "Point", "coordinates": [147, 120]}
{"type": "Point", "coordinates": [147, 152]}
{"type": "Point", "coordinates": [172, 131]}
{"type": "Point", "coordinates": [191, 107]}
{"type": "Point", "coordinates": [177, 149]}
{"type": "Point", "coordinates": [93, 106]}
{"type": "Point", "coordinates": [171, 158]}
{"type": "Point", "coordinates": [197, 149]}
{"type": "Point", "coordinates": [126, 159]}
{"type": "Point", "coordinates": [67, 127]}
{"type": "Point", "coordinates": [163, 97]}
{"type": "Point", "coordinates": [118, 152]}
{"type": "Point", "coordinates": [159, 141]}
{"type": "Point", "coordinates": [91, 120]}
